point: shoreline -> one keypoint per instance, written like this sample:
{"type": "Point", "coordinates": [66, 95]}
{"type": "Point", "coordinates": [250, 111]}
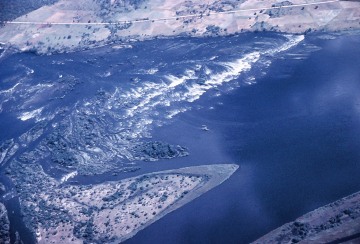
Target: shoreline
{"type": "Point", "coordinates": [111, 211]}
{"type": "Point", "coordinates": [59, 28]}
{"type": "Point", "coordinates": [11, 49]}
{"type": "Point", "coordinates": [333, 223]}
{"type": "Point", "coordinates": [217, 178]}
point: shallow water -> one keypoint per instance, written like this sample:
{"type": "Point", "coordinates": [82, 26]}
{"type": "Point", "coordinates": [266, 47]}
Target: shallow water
{"type": "Point", "coordinates": [284, 109]}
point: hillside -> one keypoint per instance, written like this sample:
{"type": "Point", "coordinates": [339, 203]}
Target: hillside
{"type": "Point", "coordinates": [70, 25]}
{"type": "Point", "coordinates": [10, 10]}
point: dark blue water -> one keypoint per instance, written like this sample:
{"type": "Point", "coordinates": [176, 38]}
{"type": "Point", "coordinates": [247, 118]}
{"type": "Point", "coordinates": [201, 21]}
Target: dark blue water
{"type": "Point", "coordinates": [294, 132]}
{"type": "Point", "coordinates": [295, 135]}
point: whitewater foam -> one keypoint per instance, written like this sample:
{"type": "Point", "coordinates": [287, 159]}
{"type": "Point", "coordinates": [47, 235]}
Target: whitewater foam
{"type": "Point", "coordinates": [31, 114]}
{"type": "Point", "coordinates": [293, 40]}
{"type": "Point", "coordinates": [232, 71]}
{"type": "Point", "coordinates": [135, 110]}
{"type": "Point", "coordinates": [152, 71]}
{"type": "Point", "coordinates": [10, 90]}
{"type": "Point", "coordinates": [68, 176]}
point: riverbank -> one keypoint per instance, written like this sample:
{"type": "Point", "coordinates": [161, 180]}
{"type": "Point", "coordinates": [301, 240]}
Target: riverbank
{"type": "Point", "coordinates": [336, 222]}
{"type": "Point", "coordinates": [68, 26]}
{"type": "Point", "coordinates": [112, 211]}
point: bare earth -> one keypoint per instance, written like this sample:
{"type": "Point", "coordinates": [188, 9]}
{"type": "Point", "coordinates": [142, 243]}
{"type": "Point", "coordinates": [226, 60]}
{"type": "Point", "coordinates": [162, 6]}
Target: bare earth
{"type": "Point", "coordinates": [71, 25]}
{"type": "Point", "coordinates": [114, 211]}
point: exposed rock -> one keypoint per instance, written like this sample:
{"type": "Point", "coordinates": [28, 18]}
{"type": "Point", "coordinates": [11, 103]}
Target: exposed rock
{"type": "Point", "coordinates": [151, 151]}
{"type": "Point", "coordinates": [4, 225]}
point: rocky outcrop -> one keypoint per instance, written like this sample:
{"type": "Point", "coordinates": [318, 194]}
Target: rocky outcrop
{"type": "Point", "coordinates": [151, 151]}
{"type": "Point", "coordinates": [4, 225]}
